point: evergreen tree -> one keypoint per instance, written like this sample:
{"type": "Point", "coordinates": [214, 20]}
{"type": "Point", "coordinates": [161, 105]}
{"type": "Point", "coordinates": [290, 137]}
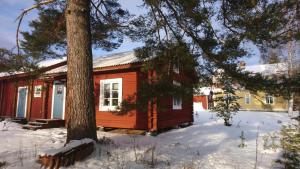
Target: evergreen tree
{"type": "Point", "coordinates": [226, 103]}
{"type": "Point", "coordinates": [12, 62]}
{"type": "Point", "coordinates": [72, 27]}
{"type": "Point", "coordinates": [215, 30]}
{"type": "Point", "coordinates": [290, 142]}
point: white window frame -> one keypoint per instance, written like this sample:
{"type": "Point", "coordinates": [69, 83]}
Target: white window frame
{"type": "Point", "coordinates": [35, 90]}
{"type": "Point", "coordinates": [267, 100]}
{"type": "Point", "coordinates": [247, 95]}
{"type": "Point", "coordinates": [175, 106]}
{"type": "Point", "coordinates": [101, 96]}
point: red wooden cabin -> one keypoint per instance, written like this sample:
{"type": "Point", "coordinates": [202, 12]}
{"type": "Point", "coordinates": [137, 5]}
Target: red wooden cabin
{"type": "Point", "coordinates": [116, 77]}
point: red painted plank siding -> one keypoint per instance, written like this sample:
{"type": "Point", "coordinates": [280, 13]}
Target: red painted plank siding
{"type": "Point", "coordinates": [167, 117]}
{"type": "Point", "coordinates": [132, 119]}
{"type": "Point", "coordinates": [36, 103]}
{"type": "Point", "coordinates": [8, 98]}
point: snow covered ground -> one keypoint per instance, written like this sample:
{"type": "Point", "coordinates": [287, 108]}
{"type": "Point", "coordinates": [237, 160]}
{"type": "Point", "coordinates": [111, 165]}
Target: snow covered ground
{"type": "Point", "coordinates": [207, 144]}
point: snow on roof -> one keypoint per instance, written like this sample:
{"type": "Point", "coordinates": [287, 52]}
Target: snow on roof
{"type": "Point", "coordinates": [206, 90]}
{"type": "Point", "coordinates": [98, 62]}
{"type": "Point", "coordinates": [5, 74]}
{"type": "Point", "coordinates": [50, 62]}
{"type": "Point", "coordinates": [40, 64]}
{"type": "Point", "coordinates": [105, 61]}
{"type": "Point", "coordinates": [268, 69]}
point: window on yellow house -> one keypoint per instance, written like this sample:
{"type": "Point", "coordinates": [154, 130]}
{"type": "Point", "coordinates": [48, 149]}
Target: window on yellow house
{"type": "Point", "coordinates": [247, 98]}
{"type": "Point", "coordinates": [269, 99]}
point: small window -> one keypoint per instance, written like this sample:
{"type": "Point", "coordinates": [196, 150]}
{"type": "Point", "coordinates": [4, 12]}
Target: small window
{"type": "Point", "coordinates": [176, 67]}
{"type": "Point", "coordinates": [247, 98]}
{"type": "Point", "coordinates": [177, 100]}
{"type": "Point", "coordinates": [110, 94]}
{"type": "Point", "coordinates": [269, 99]}
{"type": "Point", "coordinates": [38, 91]}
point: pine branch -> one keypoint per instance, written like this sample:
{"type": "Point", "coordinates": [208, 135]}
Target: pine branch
{"type": "Point", "coordinates": [21, 16]}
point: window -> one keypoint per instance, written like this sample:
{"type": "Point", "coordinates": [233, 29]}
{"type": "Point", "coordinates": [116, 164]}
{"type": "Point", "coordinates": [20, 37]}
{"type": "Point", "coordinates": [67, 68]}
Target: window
{"type": "Point", "coordinates": [110, 94]}
{"type": "Point", "coordinates": [176, 67]}
{"type": "Point", "coordinates": [247, 98]}
{"type": "Point", "coordinates": [177, 100]}
{"type": "Point", "coordinates": [269, 99]}
{"type": "Point", "coordinates": [37, 91]}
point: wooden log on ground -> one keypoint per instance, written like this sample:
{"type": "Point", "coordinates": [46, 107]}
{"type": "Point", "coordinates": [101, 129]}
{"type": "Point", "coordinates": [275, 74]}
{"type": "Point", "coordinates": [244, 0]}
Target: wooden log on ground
{"type": "Point", "coordinates": [76, 150]}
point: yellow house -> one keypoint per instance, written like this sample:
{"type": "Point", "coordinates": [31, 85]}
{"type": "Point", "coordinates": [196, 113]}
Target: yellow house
{"type": "Point", "coordinates": [260, 101]}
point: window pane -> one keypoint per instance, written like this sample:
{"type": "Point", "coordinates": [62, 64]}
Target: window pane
{"type": "Point", "coordinates": [106, 87]}
{"type": "Point", "coordinates": [115, 94]}
{"type": "Point", "coordinates": [106, 102]}
{"type": "Point", "coordinates": [106, 91]}
{"type": "Point", "coordinates": [115, 102]}
{"type": "Point", "coordinates": [106, 94]}
{"type": "Point", "coordinates": [271, 100]}
{"type": "Point", "coordinates": [176, 101]}
{"type": "Point", "coordinates": [115, 86]}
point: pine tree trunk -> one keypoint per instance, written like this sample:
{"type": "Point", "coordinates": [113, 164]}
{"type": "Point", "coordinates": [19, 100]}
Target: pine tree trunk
{"type": "Point", "coordinates": [80, 105]}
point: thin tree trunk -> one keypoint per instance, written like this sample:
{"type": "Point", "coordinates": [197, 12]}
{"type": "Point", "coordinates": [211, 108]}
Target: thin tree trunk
{"type": "Point", "coordinates": [291, 105]}
{"type": "Point", "coordinates": [80, 106]}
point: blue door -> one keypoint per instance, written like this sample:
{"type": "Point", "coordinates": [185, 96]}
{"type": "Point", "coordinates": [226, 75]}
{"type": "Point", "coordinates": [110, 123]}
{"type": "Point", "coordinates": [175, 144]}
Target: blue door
{"type": "Point", "coordinates": [58, 101]}
{"type": "Point", "coordinates": [22, 101]}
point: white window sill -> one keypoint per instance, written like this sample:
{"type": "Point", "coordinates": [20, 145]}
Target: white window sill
{"type": "Point", "coordinates": [108, 108]}
{"type": "Point", "coordinates": [177, 107]}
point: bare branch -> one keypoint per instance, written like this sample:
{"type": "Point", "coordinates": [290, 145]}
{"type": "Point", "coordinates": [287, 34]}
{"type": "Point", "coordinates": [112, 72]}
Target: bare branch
{"type": "Point", "coordinates": [24, 12]}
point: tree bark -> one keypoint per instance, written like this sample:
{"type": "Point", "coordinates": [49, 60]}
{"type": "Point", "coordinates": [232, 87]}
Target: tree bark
{"type": "Point", "coordinates": [80, 105]}
{"type": "Point", "coordinates": [291, 105]}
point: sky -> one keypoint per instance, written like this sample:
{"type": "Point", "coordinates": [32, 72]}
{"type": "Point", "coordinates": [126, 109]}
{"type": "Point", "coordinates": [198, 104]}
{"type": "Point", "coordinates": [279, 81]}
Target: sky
{"type": "Point", "coordinates": [11, 9]}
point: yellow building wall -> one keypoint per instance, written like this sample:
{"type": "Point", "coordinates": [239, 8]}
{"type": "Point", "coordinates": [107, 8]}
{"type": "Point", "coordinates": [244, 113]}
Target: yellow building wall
{"type": "Point", "coordinates": [258, 102]}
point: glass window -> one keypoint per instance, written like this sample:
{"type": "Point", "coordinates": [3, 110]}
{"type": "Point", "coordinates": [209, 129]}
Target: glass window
{"type": "Point", "coordinates": [269, 99]}
{"type": "Point", "coordinates": [110, 94]}
{"type": "Point", "coordinates": [247, 98]}
{"type": "Point", "coordinates": [177, 100]}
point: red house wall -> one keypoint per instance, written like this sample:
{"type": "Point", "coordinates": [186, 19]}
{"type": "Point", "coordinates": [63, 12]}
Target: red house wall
{"type": "Point", "coordinates": [168, 117]}
{"type": "Point", "coordinates": [202, 99]}
{"type": "Point", "coordinates": [8, 89]}
{"type": "Point", "coordinates": [132, 119]}
{"type": "Point", "coordinates": [132, 78]}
